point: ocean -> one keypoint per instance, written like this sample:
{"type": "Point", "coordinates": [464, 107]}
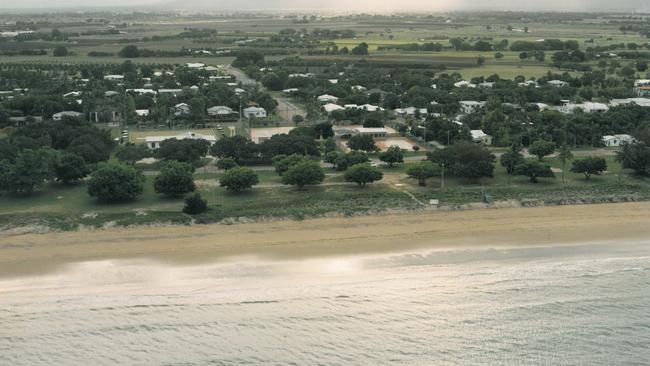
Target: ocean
{"type": "Point", "coordinates": [586, 304]}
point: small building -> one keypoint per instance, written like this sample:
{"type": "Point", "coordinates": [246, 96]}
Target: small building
{"type": "Point", "coordinates": [558, 83]}
{"type": "Point", "coordinates": [153, 142]}
{"type": "Point", "coordinates": [290, 91]}
{"type": "Point", "coordinates": [617, 140]}
{"type": "Point", "coordinates": [375, 132]}
{"type": "Point", "coordinates": [66, 114]}
{"type": "Point", "coordinates": [326, 98]}
{"type": "Point", "coordinates": [642, 87]}
{"type": "Point", "coordinates": [358, 88]}
{"type": "Point", "coordinates": [221, 111]}
{"type": "Point", "coordinates": [480, 137]}
{"type": "Point", "coordinates": [110, 93]}
{"type": "Point", "coordinates": [587, 107]}
{"type": "Point", "coordinates": [181, 109]}
{"type": "Point", "coordinates": [641, 102]}
{"type": "Point", "coordinates": [469, 106]}
{"type": "Point", "coordinates": [254, 112]}
{"type": "Point", "coordinates": [411, 111]}
{"type": "Point", "coordinates": [72, 94]}
{"type": "Point", "coordinates": [142, 112]}
{"type": "Point", "coordinates": [331, 107]}
{"type": "Point", "coordinates": [114, 77]}
{"type": "Point", "coordinates": [464, 84]}
{"type": "Point", "coordinates": [195, 65]}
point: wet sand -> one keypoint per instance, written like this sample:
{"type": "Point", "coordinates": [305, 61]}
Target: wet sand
{"type": "Point", "coordinates": [41, 253]}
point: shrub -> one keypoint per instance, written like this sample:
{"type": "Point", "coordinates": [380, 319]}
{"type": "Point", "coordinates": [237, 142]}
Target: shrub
{"type": "Point", "coordinates": [115, 182]}
{"type": "Point", "coordinates": [238, 179]}
{"type": "Point", "coordinates": [195, 204]}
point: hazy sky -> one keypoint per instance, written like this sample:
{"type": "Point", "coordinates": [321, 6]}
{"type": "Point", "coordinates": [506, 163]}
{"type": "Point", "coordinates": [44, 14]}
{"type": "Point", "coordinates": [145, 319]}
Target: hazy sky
{"type": "Point", "coordinates": [352, 5]}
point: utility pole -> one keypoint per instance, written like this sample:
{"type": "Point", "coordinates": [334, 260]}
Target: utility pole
{"type": "Point", "coordinates": [442, 181]}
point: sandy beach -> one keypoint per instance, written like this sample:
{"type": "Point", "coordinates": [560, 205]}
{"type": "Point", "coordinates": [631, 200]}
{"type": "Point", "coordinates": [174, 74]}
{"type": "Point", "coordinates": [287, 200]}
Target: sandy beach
{"type": "Point", "coordinates": [40, 253]}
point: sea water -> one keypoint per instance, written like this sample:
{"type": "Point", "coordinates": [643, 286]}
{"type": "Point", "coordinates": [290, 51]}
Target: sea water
{"type": "Point", "coordinates": [562, 305]}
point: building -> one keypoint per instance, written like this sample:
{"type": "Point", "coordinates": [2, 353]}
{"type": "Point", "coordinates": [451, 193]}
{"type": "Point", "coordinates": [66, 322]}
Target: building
{"type": "Point", "coordinates": [558, 83]}
{"type": "Point", "coordinates": [142, 112]}
{"type": "Point", "coordinates": [69, 114]}
{"type": "Point", "coordinates": [469, 106]}
{"type": "Point", "coordinates": [642, 102]}
{"type": "Point", "coordinates": [464, 83]}
{"type": "Point", "coordinates": [114, 77]}
{"type": "Point", "coordinates": [617, 140]}
{"type": "Point", "coordinates": [181, 109]}
{"type": "Point", "coordinates": [290, 91]}
{"type": "Point", "coordinates": [196, 65]}
{"type": "Point", "coordinates": [254, 112]}
{"type": "Point", "coordinates": [331, 107]}
{"type": "Point", "coordinates": [220, 111]}
{"type": "Point", "coordinates": [642, 87]}
{"type": "Point", "coordinates": [326, 98]}
{"type": "Point", "coordinates": [481, 137]}
{"type": "Point", "coordinates": [375, 132]}
{"type": "Point", "coordinates": [153, 142]}
{"type": "Point", "coordinates": [411, 111]}
{"type": "Point", "coordinates": [587, 107]}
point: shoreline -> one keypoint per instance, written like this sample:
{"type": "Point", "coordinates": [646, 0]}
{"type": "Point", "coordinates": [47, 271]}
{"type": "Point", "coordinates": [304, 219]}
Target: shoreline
{"type": "Point", "coordinates": [32, 254]}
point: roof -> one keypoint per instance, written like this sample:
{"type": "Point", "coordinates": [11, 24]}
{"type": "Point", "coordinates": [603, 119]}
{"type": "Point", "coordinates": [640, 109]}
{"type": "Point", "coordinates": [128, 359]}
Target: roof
{"type": "Point", "coordinates": [371, 130]}
{"type": "Point", "coordinates": [478, 134]}
{"type": "Point", "coordinates": [330, 107]}
{"type": "Point", "coordinates": [183, 136]}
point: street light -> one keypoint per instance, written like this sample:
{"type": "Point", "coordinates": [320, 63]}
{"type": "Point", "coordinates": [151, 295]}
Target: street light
{"type": "Point", "coordinates": [442, 182]}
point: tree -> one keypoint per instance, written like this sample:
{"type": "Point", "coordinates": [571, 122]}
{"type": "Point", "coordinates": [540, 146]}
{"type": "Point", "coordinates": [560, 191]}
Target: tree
{"type": "Point", "coordinates": [29, 171]}
{"type": "Point", "coordinates": [324, 130]}
{"type": "Point", "coordinates": [371, 122]}
{"type": "Point", "coordinates": [239, 148]}
{"type": "Point", "coordinates": [130, 153]}
{"type": "Point", "coordinates": [589, 166]}
{"type": "Point", "coordinates": [361, 49]}
{"type": "Point", "coordinates": [195, 204]}
{"type": "Point", "coordinates": [237, 180]}
{"type": "Point", "coordinates": [302, 174]}
{"type": "Point", "coordinates": [343, 161]}
{"type": "Point", "coordinates": [422, 171]}
{"type": "Point", "coordinates": [465, 159]}
{"type": "Point", "coordinates": [392, 155]}
{"type": "Point", "coordinates": [185, 150]}
{"type": "Point", "coordinates": [541, 148]}
{"type": "Point", "coordinates": [635, 156]}
{"type": "Point", "coordinates": [480, 60]}
{"type": "Point", "coordinates": [510, 159]}
{"type": "Point", "coordinates": [282, 163]}
{"type": "Point", "coordinates": [226, 163]}
{"type": "Point", "coordinates": [363, 174]}
{"type": "Point", "coordinates": [362, 142]}
{"type": "Point", "coordinates": [534, 170]}
{"type": "Point", "coordinates": [175, 179]}
{"type": "Point", "coordinates": [70, 168]}
{"type": "Point", "coordinates": [564, 154]}
{"type": "Point", "coordinates": [60, 51]}
{"type": "Point", "coordinates": [297, 118]}
{"type": "Point", "coordinates": [115, 182]}
{"type": "Point", "coordinates": [129, 51]}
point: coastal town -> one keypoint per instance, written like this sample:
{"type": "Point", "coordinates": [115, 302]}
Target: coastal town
{"type": "Point", "coordinates": [303, 121]}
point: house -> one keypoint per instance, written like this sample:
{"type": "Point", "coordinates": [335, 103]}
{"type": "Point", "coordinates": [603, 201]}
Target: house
{"type": "Point", "coordinates": [375, 132]}
{"type": "Point", "coordinates": [72, 94]}
{"type": "Point", "coordinates": [142, 91]}
{"type": "Point", "coordinates": [617, 140]}
{"type": "Point", "coordinates": [254, 112]}
{"type": "Point", "coordinates": [358, 88]}
{"type": "Point", "coordinates": [110, 93]}
{"type": "Point", "coordinates": [142, 112]}
{"type": "Point", "coordinates": [558, 83]}
{"type": "Point", "coordinates": [469, 106]}
{"type": "Point", "coordinates": [170, 91]}
{"type": "Point", "coordinates": [487, 84]}
{"type": "Point", "coordinates": [370, 108]}
{"type": "Point", "coordinates": [220, 111]}
{"type": "Point", "coordinates": [290, 91]}
{"type": "Point", "coordinates": [464, 83]}
{"type": "Point", "coordinates": [307, 75]}
{"type": "Point", "coordinates": [114, 77]}
{"type": "Point", "coordinates": [181, 109]}
{"type": "Point", "coordinates": [528, 83]}
{"type": "Point", "coordinates": [333, 81]}
{"type": "Point", "coordinates": [326, 98]}
{"type": "Point", "coordinates": [331, 107]}
{"type": "Point", "coordinates": [587, 107]}
{"type": "Point", "coordinates": [410, 111]}
{"type": "Point", "coordinates": [153, 142]}
{"type": "Point", "coordinates": [642, 87]}
{"type": "Point", "coordinates": [541, 106]}
{"type": "Point", "coordinates": [642, 102]}
{"type": "Point", "coordinates": [481, 137]}
{"type": "Point", "coordinates": [69, 114]}
{"type": "Point", "coordinates": [372, 91]}
{"type": "Point", "coordinates": [196, 65]}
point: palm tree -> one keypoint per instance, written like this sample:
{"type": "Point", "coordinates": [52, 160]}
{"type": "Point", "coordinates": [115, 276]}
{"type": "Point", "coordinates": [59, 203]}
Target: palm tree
{"type": "Point", "coordinates": [564, 155]}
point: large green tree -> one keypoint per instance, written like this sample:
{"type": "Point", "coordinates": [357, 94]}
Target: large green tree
{"type": "Point", "coordinates": [589, 166]}
{"type": "Point", "coordinates": [302, 174]}
{"type": "Point", "coordinates": [363, 174]}
{"type": "Point", "coordinates": [115, 182]}
{"type": "Point", "coordinates": [534, 170]}
{"type": "Point", "coordinates": [393, 155]}
{"type": "Point", "coordinates": [175, 179]}
{"type": "Point", "coordinates": [422, 171]}
{"type": "Point", "coordinates": [70, 168]}
{"type": "Point", "coordinates": [541, 148]}
{"type": "Point", "coordinates": [238, 179]}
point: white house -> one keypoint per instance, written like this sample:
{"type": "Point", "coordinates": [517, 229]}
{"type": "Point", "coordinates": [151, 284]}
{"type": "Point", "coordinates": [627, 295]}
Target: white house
{"type": "Point", "coordinates": [528, 83]}
{"type": "Point", "coordinates": [220, 111]}
{"type": "Point", "coordinates": [358, 88]}
{"type": "Point", "coordinates": [170, 91]}
{"type": "Point", "coordinates": [181, 109]}
{"type": "Point", "coordinates": [72, 94]}
{"type": "Point", "coordinates": [326, 98]}
{"type": "Point", "coordinates": [642, 102]}
{"type": "Point", "coordinates": [142, 91]}
{"type": "Point", "coordinates": [587, 107]}
{"type": "Point", "coordinates": [481, 137]}
{"type": "Point", "coordinates": [71, 114]}
{"type": "Point", "coordinates": [153, 142]}
{"type": "Point", "coordinates": [464, 83]}
{"type": "Point", "coordinates": [290, 90]}
{"type": "Point", "coordinates": [487, 84]}
{"type": "Point", "coordinates": [370, 108]}
{"type": "Point", "coordinates": [110, 93]}
{"type": "Point", "coordinates": [196, 65]}
{"type": "Point", "coordinates": [558, 83]}
{"type": "Point", "coordinates": [617, 140]}
{"type": "Point", "coordinates": [469, 106]}
{"type": "Point", "coordinates": [114, 77]}
{"type": "Point", "coordinates": [331, 107]}
{"type": "Point", "coordinates": [410, 111]}
{"type": "Point", "coordinates": [254, 112]}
